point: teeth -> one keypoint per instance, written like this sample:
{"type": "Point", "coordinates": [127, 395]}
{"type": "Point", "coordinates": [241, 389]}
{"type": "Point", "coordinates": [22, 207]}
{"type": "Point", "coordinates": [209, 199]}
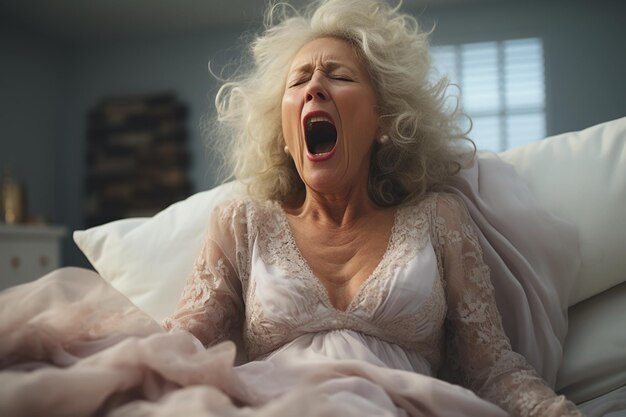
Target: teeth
{"type": "Point", "coordinates": [318, 119]}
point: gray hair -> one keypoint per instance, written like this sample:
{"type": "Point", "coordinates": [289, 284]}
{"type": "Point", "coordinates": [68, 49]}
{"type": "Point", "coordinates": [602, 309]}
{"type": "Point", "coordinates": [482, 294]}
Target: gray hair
{"type": "Point", "coordinates": [425, 139]}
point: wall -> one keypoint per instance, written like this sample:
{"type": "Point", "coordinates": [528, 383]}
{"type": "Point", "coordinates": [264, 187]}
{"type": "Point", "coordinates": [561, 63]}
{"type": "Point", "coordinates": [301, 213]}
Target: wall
{"type": "Point", "coordinates": [48, 88]}
{"type": "Point", "coordinates": [583, 45]}
{"type": "Point", "coordinates": [137, 67]}
{"type": "Point", "coordinates": [32, 85]}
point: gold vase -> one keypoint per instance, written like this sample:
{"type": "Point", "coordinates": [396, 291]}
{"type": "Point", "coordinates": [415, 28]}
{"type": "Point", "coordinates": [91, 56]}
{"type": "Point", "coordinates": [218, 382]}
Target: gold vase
{"type": "Point", "coordinates": [13, 201]}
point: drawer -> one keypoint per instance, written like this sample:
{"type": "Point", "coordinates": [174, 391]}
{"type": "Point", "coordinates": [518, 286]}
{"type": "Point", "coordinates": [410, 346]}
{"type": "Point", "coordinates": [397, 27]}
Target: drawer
{"type": "Point", "coordinates": [24, 258]}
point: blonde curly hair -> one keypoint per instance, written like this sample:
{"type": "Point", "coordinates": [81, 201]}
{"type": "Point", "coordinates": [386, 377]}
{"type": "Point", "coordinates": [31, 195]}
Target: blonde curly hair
{"type": "Point", "coordinates": [425, 139]}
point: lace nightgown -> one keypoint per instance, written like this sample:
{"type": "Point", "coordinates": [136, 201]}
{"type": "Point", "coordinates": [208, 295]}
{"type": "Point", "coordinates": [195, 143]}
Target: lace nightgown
{"type": "Point", "coordinates": [428, 307]}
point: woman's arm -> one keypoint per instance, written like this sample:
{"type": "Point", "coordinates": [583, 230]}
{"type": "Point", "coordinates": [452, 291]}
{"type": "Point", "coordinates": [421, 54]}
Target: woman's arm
{"type": "Point", "coordinates": [211, 305]}
{"type": "Point", "coordinates": [478, 352]}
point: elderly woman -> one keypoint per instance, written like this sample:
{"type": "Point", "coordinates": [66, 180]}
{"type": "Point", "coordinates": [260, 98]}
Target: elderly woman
{"type": "Point", "coordinates": [345, 253]}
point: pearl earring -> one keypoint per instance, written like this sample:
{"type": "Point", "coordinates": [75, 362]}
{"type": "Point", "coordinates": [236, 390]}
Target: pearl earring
{"type": "Point", "coordinates": [286, 149]}
{"type": "Point", "coordinates": [383, 140]}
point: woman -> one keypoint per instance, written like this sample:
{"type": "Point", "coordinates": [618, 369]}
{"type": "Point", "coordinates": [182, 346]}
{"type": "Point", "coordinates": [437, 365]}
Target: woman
{"type": "Point", "coordinates": [346, 251]}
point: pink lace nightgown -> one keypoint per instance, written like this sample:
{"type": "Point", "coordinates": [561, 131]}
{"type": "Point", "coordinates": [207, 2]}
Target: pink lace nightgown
{"type": "Point", "coordinates": [427, 308]}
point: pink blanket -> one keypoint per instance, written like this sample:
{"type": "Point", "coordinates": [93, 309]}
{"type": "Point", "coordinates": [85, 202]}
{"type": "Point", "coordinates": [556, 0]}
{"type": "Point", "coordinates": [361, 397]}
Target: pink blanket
{"type": "Point", "coordinates": [71, 345]}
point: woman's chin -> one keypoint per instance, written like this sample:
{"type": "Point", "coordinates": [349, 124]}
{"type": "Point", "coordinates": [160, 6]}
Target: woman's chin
{"type": "Point", "coordinates": [322, 181]}
{"type": "Point", "coordinates": [333, 183]}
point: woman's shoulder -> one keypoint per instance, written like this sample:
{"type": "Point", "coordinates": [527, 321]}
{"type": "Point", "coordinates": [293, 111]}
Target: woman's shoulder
{"type": "Point", "coordinates": [245, 209]}
{"type": "Point", "coordinates": [439, 211]}
{"type": "Point", "coordinates": [229, 208]}
{"type": "Point", "coordinates": [440, 215]}
{"type": "Point", "coordinates": [438, 203]}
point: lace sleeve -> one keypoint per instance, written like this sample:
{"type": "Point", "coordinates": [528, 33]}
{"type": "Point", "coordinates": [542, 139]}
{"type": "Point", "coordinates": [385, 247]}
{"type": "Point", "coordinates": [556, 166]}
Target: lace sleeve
{"type": "Point", "coordinates": [478, 353]}
{"type": "Point", "coordinates": [211, 305]}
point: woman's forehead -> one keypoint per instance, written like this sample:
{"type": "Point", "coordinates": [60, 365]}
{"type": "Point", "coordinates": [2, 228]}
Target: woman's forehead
{"type": "Point", "coordinates": [327, 51]}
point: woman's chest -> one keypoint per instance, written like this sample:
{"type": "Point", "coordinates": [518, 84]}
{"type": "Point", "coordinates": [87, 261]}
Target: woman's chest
{"type": "Point", "coordinates": [402, 301]}
{"type": "Point", "coordinates": [339, 271]}
{"type": "Point", "coordinates": [342, 260]}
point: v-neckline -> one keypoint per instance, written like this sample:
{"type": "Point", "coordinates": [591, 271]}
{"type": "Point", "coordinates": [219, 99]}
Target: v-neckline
{"type": "Point", "coordinates": [314, 279]}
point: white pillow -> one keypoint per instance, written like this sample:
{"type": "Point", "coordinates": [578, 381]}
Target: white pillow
{"type": "Point", "coordinates": [148, 260]}
{"type": "Point", "coordinates": [581, 177]}
{"type": "Point", "coordinates": [594, 358]}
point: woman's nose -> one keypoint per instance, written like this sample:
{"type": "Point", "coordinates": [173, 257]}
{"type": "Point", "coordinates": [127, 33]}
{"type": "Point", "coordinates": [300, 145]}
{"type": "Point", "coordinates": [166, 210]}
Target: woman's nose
{"type": "Point", "coordinates": [315, 89]}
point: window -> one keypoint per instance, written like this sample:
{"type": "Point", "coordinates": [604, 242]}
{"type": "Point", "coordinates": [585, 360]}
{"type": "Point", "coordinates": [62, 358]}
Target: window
{"type": "Point", "coordinates": [502, 89]}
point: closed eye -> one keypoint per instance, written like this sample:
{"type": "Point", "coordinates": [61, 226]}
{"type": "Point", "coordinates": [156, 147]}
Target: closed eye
{"type": "Point", "coordinates": [341, 78]}
{"type": "Point", "coordinates": [303, 80]}
{"type": "Point", "coordinates": [298, 82]}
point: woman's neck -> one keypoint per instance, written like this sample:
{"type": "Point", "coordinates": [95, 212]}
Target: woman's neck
{"type": "Point", "coordinates": [337, 209]}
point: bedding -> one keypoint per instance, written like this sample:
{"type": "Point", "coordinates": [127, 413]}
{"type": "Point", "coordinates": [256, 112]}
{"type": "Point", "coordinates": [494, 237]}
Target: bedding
{"type": "Point", "coordinates": [124, 251]}
{"type": "Point", "coordinates": [593, 362]}
{"type": "Point", "coordinates": [120, 362]}
{"type": "Point", "coordinates": [581, 178]}
{"type": "Point", "coordinates": [611, 404]}
{"type": "Point", "coordinates": [90, 343]}
{"type": "Point", "coordinates": [63, 336]}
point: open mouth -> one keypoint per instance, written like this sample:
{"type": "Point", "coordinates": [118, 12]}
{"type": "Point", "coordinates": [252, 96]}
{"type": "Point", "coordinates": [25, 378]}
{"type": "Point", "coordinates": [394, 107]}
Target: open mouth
{"type": "Point", "coordinates": [321, 136]}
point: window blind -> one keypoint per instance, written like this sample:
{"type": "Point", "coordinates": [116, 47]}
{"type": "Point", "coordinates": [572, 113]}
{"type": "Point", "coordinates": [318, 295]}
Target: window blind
{"type": "Point", "coordinates": [502, 89]}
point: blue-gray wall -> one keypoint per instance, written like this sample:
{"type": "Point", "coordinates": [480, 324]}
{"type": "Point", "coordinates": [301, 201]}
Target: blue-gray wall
{"type": "Point", "coordinates": [47, 86]}
{"type": "Point", "coordinates": [584, 48]}
{"type": "Point", "coordinates": [179, 65]}
{"type": "Point", "coordinates": [33, 86]}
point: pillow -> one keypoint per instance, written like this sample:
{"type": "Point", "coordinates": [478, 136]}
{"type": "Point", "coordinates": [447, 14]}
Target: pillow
{"type": "Point", "coordinates": [581, 177]}
{"type": "Point", "coordinates": [594, 358]}
{"type": "Point", "coordinates": [149, 259]}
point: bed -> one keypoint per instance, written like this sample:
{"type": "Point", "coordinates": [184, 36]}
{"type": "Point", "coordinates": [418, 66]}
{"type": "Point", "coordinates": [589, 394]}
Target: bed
{"type": "Point", "coordinates": [579, 177]}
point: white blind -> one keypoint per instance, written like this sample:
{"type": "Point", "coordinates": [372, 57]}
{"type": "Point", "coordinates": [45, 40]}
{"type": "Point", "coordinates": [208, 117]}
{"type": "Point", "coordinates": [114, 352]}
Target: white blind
{"type": "Point", "coordinates": [502, 89]}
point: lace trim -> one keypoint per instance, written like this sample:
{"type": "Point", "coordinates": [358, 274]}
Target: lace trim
{"type": "Point", "coordinates": [480, 353]}
{"type": "Point", "coordinates": [236, 215]}
{"type": "Point", "coordinates": [523, 393]}
{"type": "Point", "coordinates": [207, 309]}
{"type": "Point", "coordinates": [410, 234]}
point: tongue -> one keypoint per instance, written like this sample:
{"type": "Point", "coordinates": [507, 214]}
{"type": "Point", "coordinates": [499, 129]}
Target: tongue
{"type": "Point", "coordinates": [323, 147]}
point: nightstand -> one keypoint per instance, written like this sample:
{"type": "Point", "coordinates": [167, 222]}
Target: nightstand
{"type": "Point", "coordinates": [28, 252]}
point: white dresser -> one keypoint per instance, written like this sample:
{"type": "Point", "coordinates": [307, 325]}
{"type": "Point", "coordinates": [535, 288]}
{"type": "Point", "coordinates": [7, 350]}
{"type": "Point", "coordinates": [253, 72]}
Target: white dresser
{"type": "Point", "coordinates": [28, 251]}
